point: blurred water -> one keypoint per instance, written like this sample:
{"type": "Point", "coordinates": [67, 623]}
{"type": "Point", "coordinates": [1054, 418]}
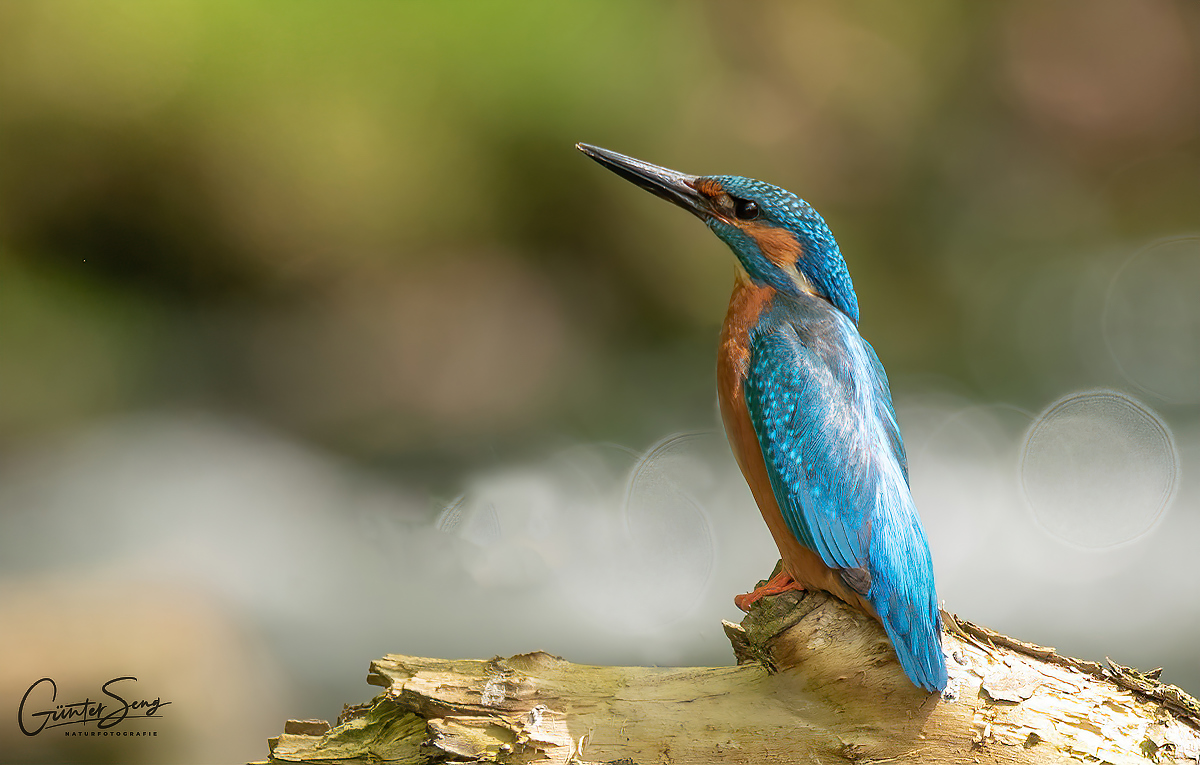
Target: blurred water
{"type": "Point", "coordinates": [1098, 469]}
{"type": "Point", "coordinates": [957, 452]}
{"type": "Point", "coordinates": [623, 538]}
{"type": "Point", "coordinates": [597, 553]}
{"type": "Point", "coordinates": [667, 519]}
{"type": "Point", "coordinates": [650, 563]}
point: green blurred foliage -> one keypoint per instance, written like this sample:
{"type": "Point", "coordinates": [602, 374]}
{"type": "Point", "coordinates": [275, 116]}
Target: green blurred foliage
{"type": "Point", "coordinates": [367, 223]}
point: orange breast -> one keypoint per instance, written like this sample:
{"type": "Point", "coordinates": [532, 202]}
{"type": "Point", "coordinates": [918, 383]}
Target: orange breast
{"type": "Point", "coordinates": [746, 304]}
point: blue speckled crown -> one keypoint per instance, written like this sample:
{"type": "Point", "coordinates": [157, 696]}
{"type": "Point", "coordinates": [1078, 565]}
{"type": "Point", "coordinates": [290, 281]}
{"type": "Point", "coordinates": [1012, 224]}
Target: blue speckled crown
{"type": "Point", "coordinates": [821, 262]}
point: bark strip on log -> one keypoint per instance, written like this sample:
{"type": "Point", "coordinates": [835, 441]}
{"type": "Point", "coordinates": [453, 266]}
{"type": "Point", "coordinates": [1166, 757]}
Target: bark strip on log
{"type": "Point", "coordinates": [816, 682]}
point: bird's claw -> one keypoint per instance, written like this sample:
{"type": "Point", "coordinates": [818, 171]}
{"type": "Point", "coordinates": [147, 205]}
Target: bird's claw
{"type": "Point", "coordinates": [778, 584]}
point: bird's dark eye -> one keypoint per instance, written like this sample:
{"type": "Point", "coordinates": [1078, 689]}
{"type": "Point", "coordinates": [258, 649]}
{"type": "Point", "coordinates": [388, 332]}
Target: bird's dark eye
{"type": "Point", "coordinates": [745, 209]}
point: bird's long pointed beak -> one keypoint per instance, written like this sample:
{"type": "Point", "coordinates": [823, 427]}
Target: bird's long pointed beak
{"type": "Point", "coordinates": [671, 185]}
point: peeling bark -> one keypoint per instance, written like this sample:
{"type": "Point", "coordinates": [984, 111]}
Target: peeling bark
{"type": "Point", "coordinates": [816, 682]}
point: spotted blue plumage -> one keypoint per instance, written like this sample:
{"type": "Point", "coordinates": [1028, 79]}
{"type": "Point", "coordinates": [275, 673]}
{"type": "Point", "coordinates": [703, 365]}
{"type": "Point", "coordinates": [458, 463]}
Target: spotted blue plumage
{"type": "Point", "coordinates": [819, 402]}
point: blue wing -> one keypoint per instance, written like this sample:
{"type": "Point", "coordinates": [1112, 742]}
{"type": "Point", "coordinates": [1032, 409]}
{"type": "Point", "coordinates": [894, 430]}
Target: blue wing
{"type": "Point", "coordinates": [819, 401]}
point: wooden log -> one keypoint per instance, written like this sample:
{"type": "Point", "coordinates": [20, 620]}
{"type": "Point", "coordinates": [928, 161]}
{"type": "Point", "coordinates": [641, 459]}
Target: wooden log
{"type": "Point", "coordinates": [816, 682]}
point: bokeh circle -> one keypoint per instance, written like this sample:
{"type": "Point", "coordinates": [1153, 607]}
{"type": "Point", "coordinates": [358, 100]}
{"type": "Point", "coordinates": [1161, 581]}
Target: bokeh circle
{"type": "Point", "coordinates": [1098, 469]}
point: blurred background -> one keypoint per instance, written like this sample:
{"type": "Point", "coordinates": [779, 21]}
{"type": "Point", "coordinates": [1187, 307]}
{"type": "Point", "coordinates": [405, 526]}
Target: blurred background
{"type": "Point", "coordinates": [319, 340]}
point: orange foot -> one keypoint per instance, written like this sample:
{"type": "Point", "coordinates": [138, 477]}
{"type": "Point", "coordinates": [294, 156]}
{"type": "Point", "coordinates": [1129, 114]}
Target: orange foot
{"type": "Point", "coordinates": [780, 583]}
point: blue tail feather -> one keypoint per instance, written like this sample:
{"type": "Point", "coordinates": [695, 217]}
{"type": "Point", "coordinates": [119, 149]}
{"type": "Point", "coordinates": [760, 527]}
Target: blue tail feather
{"type": "Point", "coordinates": [903, 594]}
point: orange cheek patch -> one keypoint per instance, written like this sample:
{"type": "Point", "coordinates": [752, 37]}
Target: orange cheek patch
{"type": "Point", "coordinates": [780, 247]}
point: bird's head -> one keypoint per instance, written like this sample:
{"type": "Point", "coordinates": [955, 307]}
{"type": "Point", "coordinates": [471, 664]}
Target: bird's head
{"type": "Point", "coordinates": [779, 239]}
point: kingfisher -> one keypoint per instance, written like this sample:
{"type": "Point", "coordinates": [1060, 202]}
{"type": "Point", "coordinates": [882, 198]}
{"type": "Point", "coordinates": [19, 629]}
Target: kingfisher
{"type": "Point", "coordinates": [808, 412]}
